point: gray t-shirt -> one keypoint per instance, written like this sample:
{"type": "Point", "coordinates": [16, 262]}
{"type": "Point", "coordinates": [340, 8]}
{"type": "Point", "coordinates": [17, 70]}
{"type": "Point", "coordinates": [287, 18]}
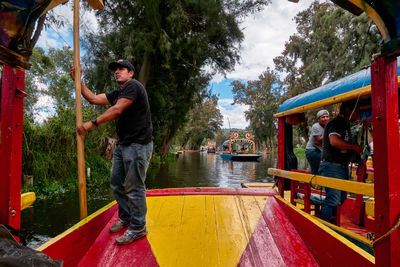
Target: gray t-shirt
{"type": "Point", "coordinates": [316, 129]}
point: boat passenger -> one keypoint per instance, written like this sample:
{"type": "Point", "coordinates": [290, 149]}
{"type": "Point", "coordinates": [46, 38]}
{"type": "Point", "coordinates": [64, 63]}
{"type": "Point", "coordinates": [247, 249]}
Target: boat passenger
{"type": "Point", "coordinates": [131, 110]}
{"type": "Point", "coordinates": [314, 144]}
{"type": "Point", "coordinates": [337, 152]}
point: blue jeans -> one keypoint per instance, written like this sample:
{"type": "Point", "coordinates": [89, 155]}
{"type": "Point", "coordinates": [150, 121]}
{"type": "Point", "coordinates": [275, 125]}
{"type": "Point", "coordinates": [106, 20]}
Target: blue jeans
{"type": "Point", "coordinates": [314, 158]}
{"type": "Point", "coordinates": [333, 197]}
{"type": "Point", "coordinates": [127, 180]}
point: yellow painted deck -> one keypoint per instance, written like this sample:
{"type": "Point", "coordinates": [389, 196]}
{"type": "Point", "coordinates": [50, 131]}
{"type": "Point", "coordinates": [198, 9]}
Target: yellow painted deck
{"type": "Point", "coordinates": [202, 230]}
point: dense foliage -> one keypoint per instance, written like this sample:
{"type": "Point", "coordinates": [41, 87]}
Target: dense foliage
{"type": "Point", "coordinates": [262, 96]}
{"type": "Point", "coordinates": [49, 141]}
{"type": "Point", "coordinates": [203, 122]}
{"type": "Point", "coordinates": [171, 43]}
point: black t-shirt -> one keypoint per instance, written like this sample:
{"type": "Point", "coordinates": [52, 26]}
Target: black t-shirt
{"type": "Point", "coordinates": [134, 124]}
{"type": "Point", "coordinates": [330, 153]}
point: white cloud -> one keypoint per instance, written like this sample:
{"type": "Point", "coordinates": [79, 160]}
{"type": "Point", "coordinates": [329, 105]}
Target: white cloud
{"type": "Point", "coordinates": [58, 37]}
{"type": "Point", "coordinates": [235, 114]}
{"type": "Point", "coordinates": [47, 40]}
{"type": "Point", "coordinates": [265, 35]}
{"type": "Point", "coordinates": [44, 108]}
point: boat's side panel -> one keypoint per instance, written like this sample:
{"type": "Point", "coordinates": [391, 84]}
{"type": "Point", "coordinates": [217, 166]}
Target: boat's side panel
{"type": "Point", "coordinates": [275, 242]}
{"type": "Point", "coordinates": [73, 244]}
{"type": "Point", "coordinates": [226, 156]}
{"type": "Point", "coordinates": [211, 191]}
{"type": "Point", "coordinates": [327, 247]}
{"type": "Point", "coordinates": [105, 252]}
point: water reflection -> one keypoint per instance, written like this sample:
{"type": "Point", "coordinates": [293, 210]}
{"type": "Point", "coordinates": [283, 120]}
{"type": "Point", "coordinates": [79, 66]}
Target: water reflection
{"type": "Point", "coordinates": [209, 170]}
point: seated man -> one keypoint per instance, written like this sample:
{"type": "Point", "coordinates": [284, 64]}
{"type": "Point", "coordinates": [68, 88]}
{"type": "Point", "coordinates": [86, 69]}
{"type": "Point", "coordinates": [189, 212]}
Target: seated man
{"type": "Point", "coordinates": [336, 155]}
{"type": "Point", "coordinates": [314, 144]}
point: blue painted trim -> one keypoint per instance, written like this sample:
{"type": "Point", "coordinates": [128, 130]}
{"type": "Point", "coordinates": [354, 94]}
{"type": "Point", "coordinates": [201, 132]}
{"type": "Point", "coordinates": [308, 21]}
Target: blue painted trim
{"type": "Point", "coordinates": [347, 84]}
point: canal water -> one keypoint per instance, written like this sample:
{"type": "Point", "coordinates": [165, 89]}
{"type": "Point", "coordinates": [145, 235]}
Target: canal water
{"type": "Point", "coordinates": [48, 218]}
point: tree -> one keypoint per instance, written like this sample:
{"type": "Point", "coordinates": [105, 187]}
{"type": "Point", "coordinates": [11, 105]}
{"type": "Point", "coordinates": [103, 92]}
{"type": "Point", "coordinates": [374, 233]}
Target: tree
{"type": "Point", "coordinates": [221, 137]}
{"type": "Point", "coordinates": [262, 96]}
{"type": "Point", "coordinates": [49, 147]}
{"type": "Point", "coordinates": [170, 43]}
{"type": "Point", "coordinates": [330, 43]}
{"type": "Point", "coordinates": [204, 121]}
{"type": "Point", "coordinates": [49, 75]}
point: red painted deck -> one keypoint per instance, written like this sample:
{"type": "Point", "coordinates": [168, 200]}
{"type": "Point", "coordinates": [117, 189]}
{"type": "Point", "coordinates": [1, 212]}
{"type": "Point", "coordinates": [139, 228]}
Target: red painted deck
{"type": "Point", "coordinates": [105, 252]}
{"type": "Point", "coordinates": [275, 242]}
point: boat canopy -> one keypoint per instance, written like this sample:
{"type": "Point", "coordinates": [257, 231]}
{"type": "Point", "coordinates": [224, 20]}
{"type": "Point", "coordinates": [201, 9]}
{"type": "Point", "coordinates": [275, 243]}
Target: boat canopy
{"type": "Point", "coordinates": [347, 88]}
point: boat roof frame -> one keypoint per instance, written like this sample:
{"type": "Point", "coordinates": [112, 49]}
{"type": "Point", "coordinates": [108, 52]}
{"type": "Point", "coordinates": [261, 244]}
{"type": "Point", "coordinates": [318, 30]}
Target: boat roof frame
{"type": "Point", "coordinates": [348, 88]}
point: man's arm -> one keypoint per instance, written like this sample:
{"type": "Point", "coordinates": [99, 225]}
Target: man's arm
{"type": "Point", "coordinates": [110, 114]}
{"type": "Point", "coordinates": [338, 142]}
{"type": "Point", "coordinates": [92, 98]}
{"type": "Point", "coordinates": [318, 139]}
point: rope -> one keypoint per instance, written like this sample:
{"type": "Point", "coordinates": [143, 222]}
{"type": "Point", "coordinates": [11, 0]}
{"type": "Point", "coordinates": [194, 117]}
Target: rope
{"type": "Point", "coordinates": [358, 98]}
{"type": "Point", "coordinates": [312, 178]}
{"type": "Point", "coordinates": [388, 233]}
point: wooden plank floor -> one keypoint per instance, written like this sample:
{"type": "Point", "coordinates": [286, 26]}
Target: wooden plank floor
{"type": "Point", "coordinates": [198, 230]}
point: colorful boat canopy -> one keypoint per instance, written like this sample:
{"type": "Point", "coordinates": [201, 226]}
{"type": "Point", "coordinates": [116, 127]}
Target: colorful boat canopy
{"type": "Point", "coordinates": [17, 19]}
{"type": "Point", "coordinates": [241, 134]}
{"type": "Point", "coordinates": [352, 86]}
{"type": "Point", "coordinates": [16, 16]}
{"type": "Point", "coordinates": [385, 14]}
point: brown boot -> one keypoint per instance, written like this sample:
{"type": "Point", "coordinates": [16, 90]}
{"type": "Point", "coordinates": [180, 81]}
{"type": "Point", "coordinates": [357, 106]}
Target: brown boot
{"type": "Point", "coordinates": [118, 226]}
{"type": "Point", "coordinates": [130, 236]}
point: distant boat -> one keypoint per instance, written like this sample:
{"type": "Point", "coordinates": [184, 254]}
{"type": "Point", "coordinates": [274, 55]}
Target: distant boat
{"type": "Point", "coordinates": [241, 155]}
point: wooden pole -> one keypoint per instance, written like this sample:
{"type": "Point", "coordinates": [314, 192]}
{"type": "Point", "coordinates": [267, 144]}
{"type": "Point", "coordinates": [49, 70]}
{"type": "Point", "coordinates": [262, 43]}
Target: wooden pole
{"type": "Point", "coordinates": [78, 110]}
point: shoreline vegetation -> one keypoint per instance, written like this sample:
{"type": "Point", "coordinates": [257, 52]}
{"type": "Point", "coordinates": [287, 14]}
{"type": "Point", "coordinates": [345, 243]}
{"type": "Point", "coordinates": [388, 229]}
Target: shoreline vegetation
{"type": "Point", "coordinates": [99, 176]}
{"type": "Point", "coordinates": [300, 153]}
{"type": "Point", "coordinates": [100, 170]}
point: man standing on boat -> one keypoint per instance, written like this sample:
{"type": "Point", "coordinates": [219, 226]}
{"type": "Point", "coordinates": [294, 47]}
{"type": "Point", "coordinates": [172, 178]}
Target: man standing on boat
{"type": "Point", "coordinates": [336, 155]}
{"type": "Point", "coordinates": [314, 144]}
{"type": "Point", "coordinates": [131, 110]}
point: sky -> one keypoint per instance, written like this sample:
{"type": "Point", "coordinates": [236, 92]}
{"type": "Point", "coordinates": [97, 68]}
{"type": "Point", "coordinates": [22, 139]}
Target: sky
{"type": "Point", "coordinates": [265, 35]}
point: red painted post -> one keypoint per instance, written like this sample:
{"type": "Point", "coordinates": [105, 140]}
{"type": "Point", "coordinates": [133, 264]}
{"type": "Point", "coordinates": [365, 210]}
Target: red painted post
{"type": "Point", "coordinates": [386, 158]}
{"type": "Point", "coordinates": [12, 111]}
{"type": "Point", "coordinates": [281, 153]}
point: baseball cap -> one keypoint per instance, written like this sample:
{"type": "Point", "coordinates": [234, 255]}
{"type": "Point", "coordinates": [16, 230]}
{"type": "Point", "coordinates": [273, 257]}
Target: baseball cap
{"type": "Point", "coordinates": [322, 112]}
{"type": "Point", "coordinates": [121, 63]}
